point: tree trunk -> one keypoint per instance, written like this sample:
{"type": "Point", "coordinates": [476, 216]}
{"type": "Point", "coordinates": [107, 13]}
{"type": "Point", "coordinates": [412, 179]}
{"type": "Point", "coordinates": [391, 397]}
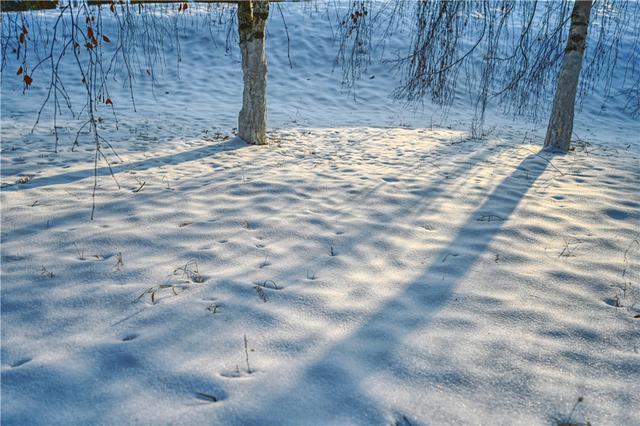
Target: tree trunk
{"type": "Point", "coordinates": [252, 21]}
{"type": "Point", "coordinates": [560, 126]}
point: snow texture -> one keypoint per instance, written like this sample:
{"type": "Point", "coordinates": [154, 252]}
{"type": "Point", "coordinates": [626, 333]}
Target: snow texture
{"type": "Point", "coordinates": [380, 266]}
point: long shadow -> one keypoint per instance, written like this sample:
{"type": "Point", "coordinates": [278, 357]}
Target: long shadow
{"type": "Point", "coordinates": [479, 154]}
{"type": "Point", "coordinates": [333, 386]}
{"type": "Point", "coordinates": [173, 159]}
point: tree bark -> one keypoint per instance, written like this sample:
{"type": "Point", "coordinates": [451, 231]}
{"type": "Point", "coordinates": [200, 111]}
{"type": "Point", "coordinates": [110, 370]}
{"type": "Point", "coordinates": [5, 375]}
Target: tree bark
{"type": "Point", "coordinates": [252, 21]}
{"type": "Point", "coordinates": [560, 126]}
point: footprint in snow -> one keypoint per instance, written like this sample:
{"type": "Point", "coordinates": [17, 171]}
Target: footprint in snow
{"type": "Point", "coordinates": [20, 362]}
{"type": "Point", "coordinates": [613, 302]}
{"type": "Point", "coordinates": [616, 214]}
{"type": "Point", "coordinates": [129, 337]}
{"type": "Point", "coordinates": [390, 179]}
{"type": "Point", "coordinates": [206, 397]}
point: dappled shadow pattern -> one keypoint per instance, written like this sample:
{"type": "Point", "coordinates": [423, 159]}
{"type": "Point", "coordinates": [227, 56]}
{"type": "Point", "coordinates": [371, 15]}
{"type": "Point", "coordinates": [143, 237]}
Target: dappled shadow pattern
{"type": "Point", "coordinates": [333, 383]}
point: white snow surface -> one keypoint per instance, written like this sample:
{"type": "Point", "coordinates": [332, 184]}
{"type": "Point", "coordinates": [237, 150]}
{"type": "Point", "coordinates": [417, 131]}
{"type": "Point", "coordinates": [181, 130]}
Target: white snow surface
{"type": "Point", "coordinates": [383, 267]}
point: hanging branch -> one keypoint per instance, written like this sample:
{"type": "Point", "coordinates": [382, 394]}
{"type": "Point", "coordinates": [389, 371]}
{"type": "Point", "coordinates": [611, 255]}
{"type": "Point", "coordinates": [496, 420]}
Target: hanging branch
{"type": "Point", "coordinates": [144, 32]}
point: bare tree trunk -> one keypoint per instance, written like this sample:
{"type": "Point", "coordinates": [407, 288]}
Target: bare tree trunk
{"type": "Point", "coordinates": [560, 126]}
{"type": "Point", "coordinates": [252, 21]}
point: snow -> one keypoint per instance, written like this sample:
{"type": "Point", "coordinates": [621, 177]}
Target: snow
{"type": "Point", "coordinates": [383, 267]}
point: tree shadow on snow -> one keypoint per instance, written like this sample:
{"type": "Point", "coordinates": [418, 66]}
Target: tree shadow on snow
{"type": "Point", "coordinates": [173, 159]}
{"type": "Point", "coordinates": [335, 384]}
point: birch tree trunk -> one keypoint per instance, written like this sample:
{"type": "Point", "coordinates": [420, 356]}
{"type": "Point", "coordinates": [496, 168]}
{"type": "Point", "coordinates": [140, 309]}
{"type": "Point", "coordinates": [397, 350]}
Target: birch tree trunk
{"type": "Point", "coordinates": [560, 126]}
{"type": "Point", "coordinates": [252, 21]}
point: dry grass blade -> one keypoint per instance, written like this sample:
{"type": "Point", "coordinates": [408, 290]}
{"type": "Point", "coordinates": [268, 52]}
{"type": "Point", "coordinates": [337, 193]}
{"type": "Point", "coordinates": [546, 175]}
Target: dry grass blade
{"type": "Point", "coordinates": [261, 294]}
{"type": "Point", "coordinates": [246, 353]}
{"type": "Point", "coordinates": [190, 271]}
{"type": "Point", "coordinates": [147, 291]}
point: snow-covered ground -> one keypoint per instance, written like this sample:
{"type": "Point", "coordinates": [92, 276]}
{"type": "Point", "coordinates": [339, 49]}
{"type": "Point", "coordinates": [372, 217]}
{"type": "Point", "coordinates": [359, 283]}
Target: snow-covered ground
{"type": "Point", "coordinates": [370, 266]}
